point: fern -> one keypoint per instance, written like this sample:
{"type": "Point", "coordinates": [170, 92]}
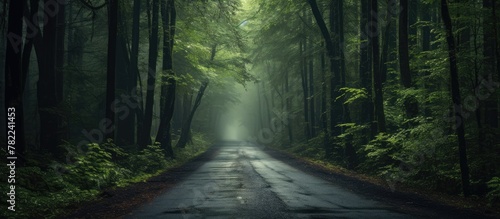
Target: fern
{"type": "Point", "coordinates": [352, 95]}
{"type": "Point", "coordinates": [494, 186]}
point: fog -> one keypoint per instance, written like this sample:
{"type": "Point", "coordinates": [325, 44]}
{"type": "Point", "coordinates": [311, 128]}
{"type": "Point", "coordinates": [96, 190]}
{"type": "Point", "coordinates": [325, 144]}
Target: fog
{"type": "Point", "coordinates": [240, 121]}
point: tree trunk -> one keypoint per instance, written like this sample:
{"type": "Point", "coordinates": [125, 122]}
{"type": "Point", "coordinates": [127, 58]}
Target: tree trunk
{"type": "Point", "coordinates": [145, 137]}
{"type": "Point", "coordinates": [333, 51]}
{"type": "Point", "coordinates": [48, 98]}
{"type": "Point", "coordinates": [455, 95]}
{"type": "Point", "coordinates": [324, 109]}
{"type": "Point", "coordinates": [377, 79]}
{"type": "Point", "coordinates": [410, 103]}
{"type": "Point", "coordinates": [14, 81]}
{"type": "Point", "coordinates": [288, 109]}
{"type": "Point", "coordinates": [111, 63]}
{"type": "Point", "coordinates": [305, 91]}
{"type": "Point", "coordinates": [125, 116]}
{"type": "Point", "coordinates": [365, 77]}
{"type": "Point", "coordinates": [337, 109]}
{"type": "Point", "coordinates": [412, 20]}
{"type": "Point", "coordinates": [134, 69]}
{"type": "Point", "coordinates": [312, 119]}
{"type": "Point", "coordinates": [168, 86]}
{"type": "Point", "coordinates": [183, 140]}
{"type": "Point", "coordinates": [491, 104]}
{"type": "Point", "coordinates": [386, 41]}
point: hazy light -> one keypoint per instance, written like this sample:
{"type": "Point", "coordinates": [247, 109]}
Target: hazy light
{"type": "Point", "coordinates": [239, 120]}
{"type": "Point", "coordinates": [230, 132]}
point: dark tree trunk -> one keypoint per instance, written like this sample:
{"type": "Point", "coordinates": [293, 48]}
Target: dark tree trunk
{"type": "Point", "coordinates": [455, 95]}
{"type": "Point", "coordinates": [377, 79]}
{"type": "Point", "coordinates": [168, 79]}
{"type": "Point", "coordinates": [178, 112]}
{"type": "Point", "coordinates": [404, 62]}
{"type": "Point", "coordinates": [349, 151]}
{"type": "Point", "coordinates": [49, 101]}
{"type": "Point", "coordinates": [386, 41]}
{"type": "Point", "coordinates": [312, 119]}
{"type": "Point", "coordinates": [183, 140]}
{"type": "Point", "coordinates": [145, 137]}
{"type": "Point", "coordinates": [187, 102]}
{"type": "Point", "coordinates": [324, 109]}
{"type": "Point", "coordinates": [412, 20]}
{"type": "Point", "coordinates": [288, 109]}
{"type": "Point", "coordinates": [410, 103]}
{"type": "Point", "coordinates": [134, 71]}
{"type": "Point", "coordinates": [125, 115]}
{"type": "Point", "coordinates": [60, 40]}
{"type": "Point", "coordinates": [426, 29]}
{"type": "Point", "coordinates": [425, 15]}
{"type": "Point", "coordinates": [14, 81]}
{"type": "Point", "coordinates": [463, 41]}
{"type": "Point", "coordinates": [333, 51]}
{"type": "Point", "coordinates": [365, 77]}
{"type": "Point", "coordinates": [111, 63]}
{"type": "Point", "coordinates": [305, 91]}
{"type": "Point", "coordinates": [491, 104]}
{"type": "Point", "coordinates": [337, 109]}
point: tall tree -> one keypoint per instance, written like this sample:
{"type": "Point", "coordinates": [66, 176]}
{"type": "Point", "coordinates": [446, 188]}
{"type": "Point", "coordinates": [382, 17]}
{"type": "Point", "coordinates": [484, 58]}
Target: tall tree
{"type": "Point", "coordinates": [377, 79]}
{"type": "Point", "coordinates": [305, 90]}
{"type": "Point", "coordinates": [126, 80]}
{"type": "Point", "coordinates": [312, 119]}
{"type": "Point", "coordinates": [410, 104]}
{"type": "Point", "coordinates": [365, 77]}
{"type": "Point", "coordinates": [111, 64]}
{"type": "Point", "coordinates": [333, 51]}
{"type": "Point", "coordinates": [145, 136]}
{"type": "Point", "coordinates": [14, 80]}
{"type": "Point", "coordinates": [490, 106]}
{"type": "Point", "coordinates": [186, 128]}
{"type": "Point", "coordinates": [456, 98]}
{"type": "Point", "coordinates": [168, 85]}
{"type": "Point", "coordinates": [49, 82]}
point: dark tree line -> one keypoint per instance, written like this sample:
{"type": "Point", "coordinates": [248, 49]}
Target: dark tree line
{"type": "Point", "coordinates": [131, 102]}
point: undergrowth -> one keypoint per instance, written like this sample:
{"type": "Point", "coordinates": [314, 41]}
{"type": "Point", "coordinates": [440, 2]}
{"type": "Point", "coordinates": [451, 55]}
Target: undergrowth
{"type": "Point", "coordinates": [49, 190]}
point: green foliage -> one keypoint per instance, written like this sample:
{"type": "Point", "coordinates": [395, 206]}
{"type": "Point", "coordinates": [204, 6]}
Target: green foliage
{"type": "Point", "coordinates": [149, 159]}
{"type": "Point", "coordinates": [49, 192]}
{"type": "Point", "coordinates": [43, 193]}
{"type": "Point", "coordinates": [494, 187]}
{"type": "Point", "coordinates": [96, 169]}
{"type": "Point", "coordinates": [380, 153]}
{"type": "Point", "coordinates": [352, 95]}
{"type": "Point", "coordinates": [313, 149]}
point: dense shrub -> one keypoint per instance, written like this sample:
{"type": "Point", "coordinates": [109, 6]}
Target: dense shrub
{"type": "Point", "coordinates": [48, 190]}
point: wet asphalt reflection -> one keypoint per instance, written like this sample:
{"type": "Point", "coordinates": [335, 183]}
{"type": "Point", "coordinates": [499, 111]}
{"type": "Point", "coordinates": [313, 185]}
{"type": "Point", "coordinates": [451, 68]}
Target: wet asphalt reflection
{"type": "Point", "coordinates": [242, 181]}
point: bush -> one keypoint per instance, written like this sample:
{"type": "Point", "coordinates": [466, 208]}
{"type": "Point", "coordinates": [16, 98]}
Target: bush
{"type": "Point", "coordinates": [494, 187]}
{"type": "Point", "coordinates": [149, 160]}
{"type": "Point", "coordinates": [95, 169]}
{"type": "Point", "coordinates": [47, 190]}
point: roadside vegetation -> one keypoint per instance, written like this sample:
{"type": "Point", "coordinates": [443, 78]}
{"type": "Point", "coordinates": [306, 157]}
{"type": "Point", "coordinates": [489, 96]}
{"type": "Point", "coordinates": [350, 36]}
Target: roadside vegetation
{"type": "Point", "coordinates": [47, 190]}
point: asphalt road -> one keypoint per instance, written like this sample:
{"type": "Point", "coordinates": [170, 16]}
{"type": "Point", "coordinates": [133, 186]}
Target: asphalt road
{"type": "Point", "coordinates": [242, 181]}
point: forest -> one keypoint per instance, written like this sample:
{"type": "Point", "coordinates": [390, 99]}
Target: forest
{"type": "Point", "coordinates": [103, 94]}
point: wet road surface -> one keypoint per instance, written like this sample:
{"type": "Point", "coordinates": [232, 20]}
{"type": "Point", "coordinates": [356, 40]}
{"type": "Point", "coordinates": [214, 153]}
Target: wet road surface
{"type": "Point", "coordinates": [242, 181]}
